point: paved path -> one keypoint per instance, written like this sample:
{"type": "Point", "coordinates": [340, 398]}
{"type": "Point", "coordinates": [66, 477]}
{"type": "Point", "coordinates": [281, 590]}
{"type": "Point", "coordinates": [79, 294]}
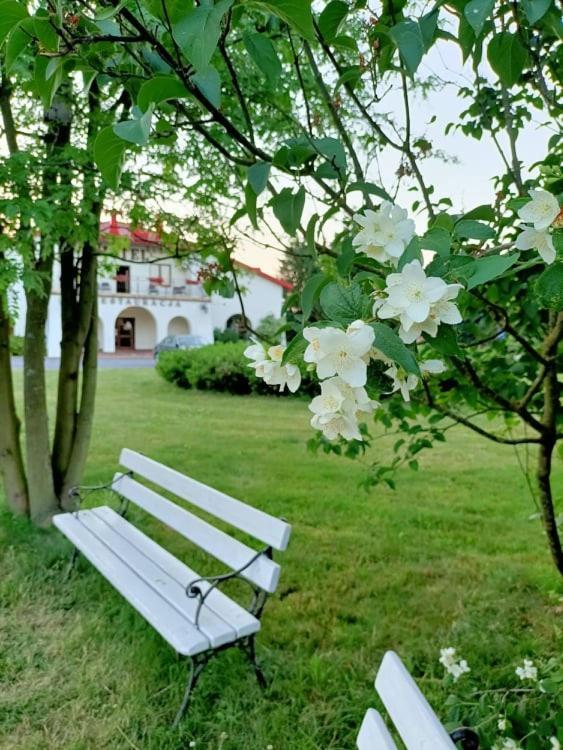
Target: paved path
{"type": "Point", "coordinates": [104, 363]}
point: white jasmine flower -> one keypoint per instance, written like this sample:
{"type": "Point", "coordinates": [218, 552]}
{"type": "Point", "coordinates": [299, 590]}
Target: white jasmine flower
{"type": "Point", "coordinates": [407, 382]}
{"type": "Point", "coordinates": [535, 239]}
{"type": "Point", "coordinates": [336, 409]}
{"type": "Point", "coordinates": [528, 671]}
{"type": "Point", "coordinates": [555, 744]}
{"type": "Point", "coordinates": [343, 353]}
{"type": "Point", "coordinates": [451, 664]}
{"type": "Point", "coordinates": [402, 381]}
{"type": "Point", "coordinates": [267, 365]}
{"type": "Point", "coordinates": [410, 295]}
{"type": "Point", "coordinates": [502, 724]}
{"type": "Point", "coordinates": [385, 233]}
{"type": "Point", "coordinates": [442, 311]}
{"type": "Point", "coordinates": [541, 211]}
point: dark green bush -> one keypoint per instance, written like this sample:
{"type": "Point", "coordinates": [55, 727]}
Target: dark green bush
{"type": "Point", "coordinates": [226, 336]}
{"type": "Point", "coordinates": [16, 345]}
{"type": "Point", "coordinates": [219, 367]}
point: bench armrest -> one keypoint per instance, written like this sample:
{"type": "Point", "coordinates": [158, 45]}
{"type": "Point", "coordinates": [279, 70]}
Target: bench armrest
{"type": "Point", "coordinates": [194, 590]}
{"type": "Point", "coordinates": [79, 492]}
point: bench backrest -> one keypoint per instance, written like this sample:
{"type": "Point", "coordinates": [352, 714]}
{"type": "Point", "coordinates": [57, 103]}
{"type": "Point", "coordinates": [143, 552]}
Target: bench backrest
{"type": "Point", "coordinates": [415, 721]}
{"type": "Point", "coordinates": [235, 554]}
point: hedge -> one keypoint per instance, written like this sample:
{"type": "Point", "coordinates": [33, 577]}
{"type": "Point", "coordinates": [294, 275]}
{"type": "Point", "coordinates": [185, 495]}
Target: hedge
{"type": "Point", "coordinates": [219, 367]}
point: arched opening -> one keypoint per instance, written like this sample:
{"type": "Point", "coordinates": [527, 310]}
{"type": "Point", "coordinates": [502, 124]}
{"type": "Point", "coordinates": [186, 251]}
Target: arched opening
{"type": "Point", "coordinates": [100, 335]}
{"type": "Point", "coordinates": [135, 330]}
{"type": "Point", "coordinates": [237, 323]}
{"type": "Point", "coordinates": [178, 326]}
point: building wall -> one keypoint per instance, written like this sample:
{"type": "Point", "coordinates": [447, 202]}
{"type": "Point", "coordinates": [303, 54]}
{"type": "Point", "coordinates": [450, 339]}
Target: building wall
{"type": "Point", "coordinates": [261, 298]}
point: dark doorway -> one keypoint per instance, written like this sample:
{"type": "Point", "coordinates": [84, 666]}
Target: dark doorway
{"type": "Point", "coordinates": [125, 333]}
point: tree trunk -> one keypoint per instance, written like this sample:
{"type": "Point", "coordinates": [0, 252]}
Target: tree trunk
{"type": "Point", "coordinates": [549, 439]}
{"type": "Point", "coordinates": [76, 324]}
{"type": "Point", "coordinates": [42, 498]}
{"type": "Point", "coordinates": [81, 442]}
{"type": "Point", "coordinates": [11, 461]}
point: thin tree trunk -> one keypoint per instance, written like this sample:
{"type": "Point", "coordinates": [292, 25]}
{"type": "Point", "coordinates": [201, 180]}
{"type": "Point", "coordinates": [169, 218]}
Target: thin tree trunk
{"type": "Point", "coordinates": [83, 433]}
{"type": "Point", "coordinates": [549, 440]}
{"type": "Point", "coordinates": [76, 324]}
{"type": "Point", "coordinates": [11, 460]}
{"type": "Point", "coordinates": [42, 498]}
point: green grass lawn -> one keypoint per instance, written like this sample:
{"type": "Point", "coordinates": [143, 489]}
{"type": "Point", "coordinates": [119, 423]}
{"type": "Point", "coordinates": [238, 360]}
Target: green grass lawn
{"type": "Point", "coordinates": [450, 558]}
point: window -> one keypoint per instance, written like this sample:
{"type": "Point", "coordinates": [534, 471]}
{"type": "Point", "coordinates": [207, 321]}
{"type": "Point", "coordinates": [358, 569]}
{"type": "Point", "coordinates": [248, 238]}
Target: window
{"type": "Point", "coordinates": [164, 272]}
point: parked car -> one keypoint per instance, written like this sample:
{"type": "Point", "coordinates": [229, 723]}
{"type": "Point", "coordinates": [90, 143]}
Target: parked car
{"type": "Point", "coordinates": [178, 342]}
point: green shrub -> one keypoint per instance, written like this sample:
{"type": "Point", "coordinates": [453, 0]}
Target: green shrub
{"type": "Point", "coordinates": [16, 345]}
{"type": "Point", "coordinates": [226, 336]}
{"type": "Point", "coordinates": [218, 367]}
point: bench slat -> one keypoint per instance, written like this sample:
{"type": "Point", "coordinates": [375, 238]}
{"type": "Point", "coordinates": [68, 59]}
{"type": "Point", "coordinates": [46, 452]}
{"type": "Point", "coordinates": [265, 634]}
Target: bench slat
{"type": "Point", "coordinates": [227, 609]}
{"type": "Point", "coordinates": [216, 630]}
{"type": "Point", "coordinates": [374, 735]}
{"type": "Point", "coordinates": [263, 572]}
{"type": "Point", "coordinates": [258, 524]}
{"type": "Point", "coordinates": [416, 722]}
{"type": "Point", "coordinates": [164, 618]}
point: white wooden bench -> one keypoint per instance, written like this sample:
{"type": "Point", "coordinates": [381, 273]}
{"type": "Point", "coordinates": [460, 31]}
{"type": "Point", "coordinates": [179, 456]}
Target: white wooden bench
{"type": "Point", "coordinates": [189, 611]}
{"type": "Point", "coordinates": [416, 723]}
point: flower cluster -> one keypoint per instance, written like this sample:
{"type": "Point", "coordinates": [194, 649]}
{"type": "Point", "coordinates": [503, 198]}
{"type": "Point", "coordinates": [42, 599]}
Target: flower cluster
{"type": "Point", "coordinates": [541, 212]}
{"type": "Point", "coordinates": [455, 667]}
{"type": "Point", "coordinates": [405, 382]}
{"type": "Point", "coordinates": [268, 365]}
{"type": "Point", "coordinates": [527, 671]}
{"type": "Point", "coordinates": [340, 359]}
{"type": "Point", "coordinates": [419, 302]}
{"type": "Point", "coordinates": [385, 233]}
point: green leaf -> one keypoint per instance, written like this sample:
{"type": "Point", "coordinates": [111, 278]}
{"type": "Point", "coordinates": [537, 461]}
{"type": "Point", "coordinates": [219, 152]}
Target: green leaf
{"type": "Point", "coordinates": [333, 151]}
{"type": "Point", "coordinates": [445, 342]}
{"type": "Point", "coordinates": [208, 81]}
{"type": "Point", "coordinates": [484, 213]}
{"type": "Point", "coordinates": [310, 235]}
{"type": "Point", "coordinates": [389, 344]}
{"type": "Point", "coordinates": [490, 267]}
{"type": "Point", "coordinates": [264, 55]}
{"type": "Point", "coordinates": [368, 188]}
{"type": "Point", "coordinates": [470, 229]}
{"type": "Point", "coordinates": [160, 89]}
{"type": "Point", "coordinates": [288, 207]}
{"type": "Point", "coordinates": [175, 9]}
{"type": "Point", "coordinates": [258, 176]}
{"type": "Point", "coordinates": [412, 252]}
{"type": "Point", "coordinates": [535, 9]}
{"type": "Point", "coordinates": [346, 257]}
{"type": "Point", "coordinates": [507, 57]}
{"type": "Point", "coordinates": [428, 27]}
{"type": "Point", "coordinates": [45, 32]}
{"type": "Point", "coordinates": [197, 34]}
{"type": "Point", "coordinates": [250, 205]}
{"type": "Point", "coordinates": [44, 87]}
{"type": "Point", "coordinates": [311, 292]}
{"type": "Point", "coordinates": [18, 40]}
{"type": "Point", "coordinates": [295, 350]}
{"type": "Point", "coordinates": [136, 130]}
{"type": "Point", "coordinates": [109, 150]}
{"type": "Point", "coordinates": [11, 13]}
{"type": "Point", "coordinates": [476, 12]}
{"type": "Point", "coordinates": [344, 304]}
{"type": "Point", "coordinates": [549, 287]}
{"type": "Point", "coordinates": [437, 239]}
{"type": "Point", "coordinates": [331, 18]}
{"type": "Point", "coordinates": [296, 13]}
{"type": "Point", "coordinates": [408, 38]}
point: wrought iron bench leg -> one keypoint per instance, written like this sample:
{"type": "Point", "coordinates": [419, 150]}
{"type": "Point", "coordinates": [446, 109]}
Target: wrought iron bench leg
{"type": "Point", "coordinates": [468, 738]}
{"type": "Point", "coordinates": [197, 665]}
{"type": "Point", "coordinates": [249, 647]}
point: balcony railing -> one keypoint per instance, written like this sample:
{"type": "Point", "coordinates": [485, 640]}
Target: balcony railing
{"type": "Point", "coordinates": [146, 287]}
